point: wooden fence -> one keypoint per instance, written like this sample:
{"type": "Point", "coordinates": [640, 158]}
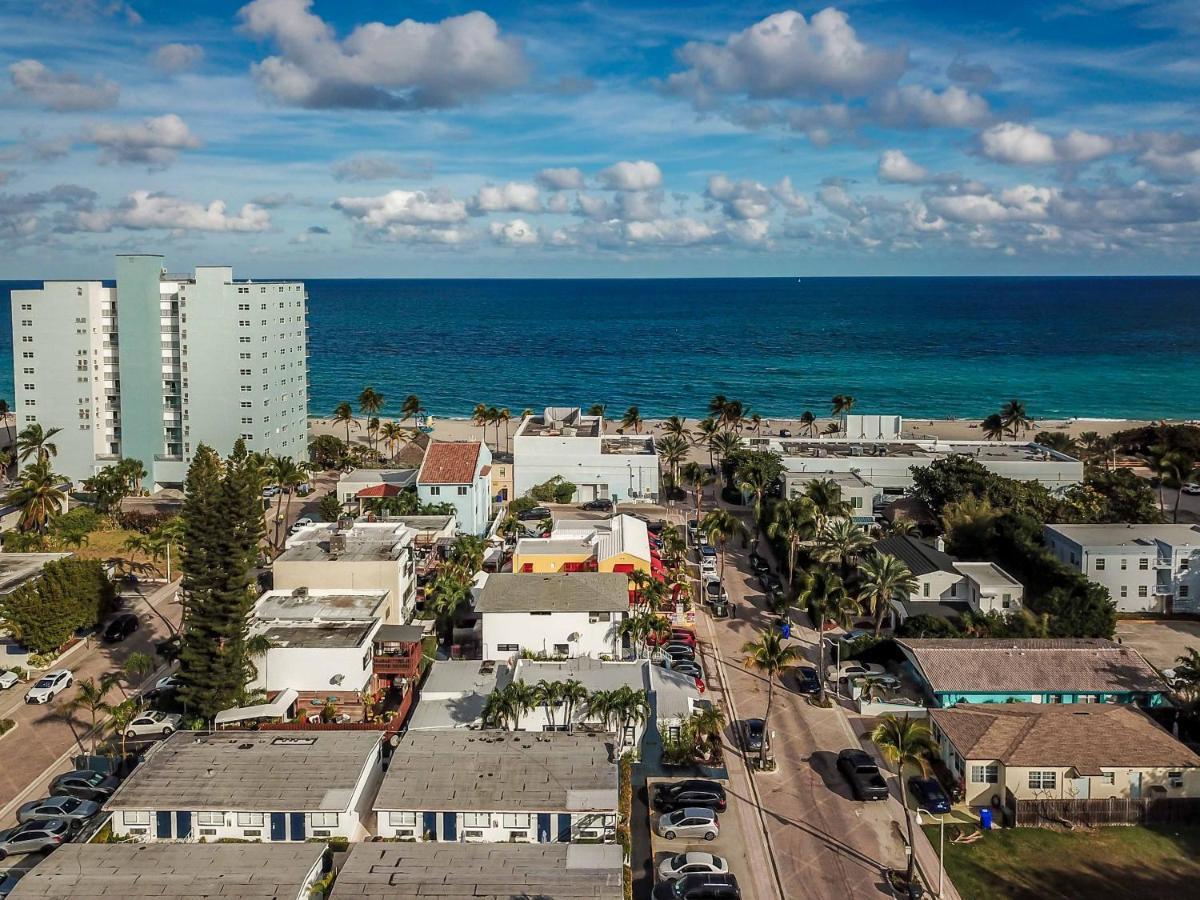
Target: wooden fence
{"type": "Point", "coordinates": [1116, 811]}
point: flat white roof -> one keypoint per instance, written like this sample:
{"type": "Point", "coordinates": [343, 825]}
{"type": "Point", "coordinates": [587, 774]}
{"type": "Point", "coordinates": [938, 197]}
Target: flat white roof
{"type": "Point", "coordinates": [987, 575]}
{"type": "Point", "coordinates": [1126, 535]}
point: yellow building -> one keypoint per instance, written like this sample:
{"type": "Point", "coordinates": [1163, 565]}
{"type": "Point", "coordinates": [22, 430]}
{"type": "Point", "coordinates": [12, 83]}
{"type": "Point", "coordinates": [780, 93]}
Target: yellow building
{"type": "Point", "coordinates": [502, 477]}
{"type": "Point", "coordinates": [619, 544]}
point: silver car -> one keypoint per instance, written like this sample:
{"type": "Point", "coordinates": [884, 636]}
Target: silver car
{"type": "Point", "coordinates": [8, 679]}
{"type": "Point", "coordinates": [49, 686]}
{"type": "Point", "coordinates": [70, 809]}
{"type": "Point", "coordinates": [33, 837]}
{"type": "Point", "coordinates": [692, 822]}
{"type": "Point", "coordinates": [154, 723]}
{"type": "Point", "coordinates": [695, 863]}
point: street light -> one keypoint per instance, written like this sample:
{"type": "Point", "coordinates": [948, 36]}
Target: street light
{"type": "Point", "coordinates": [941, 820]}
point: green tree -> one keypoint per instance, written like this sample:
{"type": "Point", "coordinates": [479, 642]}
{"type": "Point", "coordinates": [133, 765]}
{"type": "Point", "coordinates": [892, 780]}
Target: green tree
{"type": "Point", "coordinates": [632, 419]}
{"type": "Point", "coordinates": [841, 404]}
{"type": "Point", "coordinates": [370, 403]}
{"type": "Point", "coordinates": [826, 599]}
{"type": "Point", "coordinates": [90, 697]}
{"type": "Point", "coordinates": [793, 522]}
{"type": "Point", "coordinates": [1014, 417]}
{"type": "Point", "coordinates": [884, 577]}
{"type": "Point", "coordinates": [770, 656]}
{"type": "Point", "coordinates": [698, 478]}
{"type": "Point", "coordinates": [344, 413]}
{"type": "Point", "coordinates": [905, 743]}
{"type": "Point", "coordinates": [676, 427]}
{"type": "Point", "coordinates": [411, 408]}
{"type": "Point", "coordinates": [329, 508]}
{"type": "Point", "coordinates": [37, 442]}
{"type": "Point", "coordinates": [993, 427]}
{"type": "Point", "coordinates": [672, 450]}
{"type": "Point", "coordinates": [70, 594]}
{"type": "Point", "coordinates": [757, 472]}
{"type": "Point", "coordinates": [840, 543]}
{"type": "Point", "coordinates": [808, 422]}
{"type": "Point", "coordinates": [327, 451]}
{"type": "Point", "coordinates": [39, 495]}
{"type": "Point", "coordinates": [720, 525]}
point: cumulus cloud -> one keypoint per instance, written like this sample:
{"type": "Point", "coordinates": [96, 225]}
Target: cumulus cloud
{"type": "Point", "coordinates": [21, 215]}
{"type": "Point", "coordinates": [794, 202]}
{"type": "Point", "coordinates": [1172, 160]}
{"type": "Point", "coordinates": [1080, 146]}
{"type": "Point", "coordinates": [679, 232]}
{"type": "Point", "coordinates": [517, 233]}
{"type": "Point", "coordinates": [632, 176]}
{"type": "Point", "coordinates": [155, 142]}
{"type": "Point", "coordinates": [786, 56]}
{"type": "Point", "coordinates": [1017, 144]}
{"type": "Point", "coordinates": [172, 58]}
{"type": "Point", "coordinates": [425, 234]}
{"type": "Point", "coordinates": [513, 196]}
{"type": "Point", "coordinates": [913, 105]}
{"type": "Point", "coordinates": [403, 207]}
{"type": "Point", "coordinates": [410, 65]}
{"type": "Point", "coordinates": [638, 205]}
{"type": "Point", "coordinates": [143, 210]}
{"type": "Point", "coordinates": [32, 147]}
{"type": "Point", "coordinates": [838, 201]}
{"type": "Point", "coordinates": [742, 199]}
{"type": "Point", "coordinates": [570, 179]}
{"type": "Point", "coordinates": [60, 91]}
{"type": "Point", "coordinates": [1024, 203]}
{"type": "Point", "coordinates": [895, 166]}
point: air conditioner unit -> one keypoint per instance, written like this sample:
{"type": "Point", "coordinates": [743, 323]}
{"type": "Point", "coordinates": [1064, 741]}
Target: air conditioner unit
{"type": "Point", "coordinates": [322, 833]}
{"type": "Point", "coordinates": [256, 832]}
{"type": "Point", "coordinates": [406, 833]}
{"type": "Point", "coordinates": [208, 832]}
{"type": "Point", "coordinates": [139, 830]}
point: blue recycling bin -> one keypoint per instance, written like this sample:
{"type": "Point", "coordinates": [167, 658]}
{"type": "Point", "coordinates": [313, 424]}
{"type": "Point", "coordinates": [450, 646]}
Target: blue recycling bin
{"type": "Point", "coordinates": [785, 629]}
{"type": "Point", "coordinates": [985, 818]}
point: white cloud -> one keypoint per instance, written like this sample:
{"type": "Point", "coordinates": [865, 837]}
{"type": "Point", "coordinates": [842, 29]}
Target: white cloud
{"type": "Point", "coordinates": [377, 168]}
{"type": "Point", "coordinates": [742, 199]}
{"type": "Point", "coordinates": [916, 105]}
{"type": "Point", "coordinates": [142, 210]}
{"type": "Point", "coordinates": [678, 232]}
{"type": "Point", "coordinates": [558, 202]}
{"type": "Point", "coordinates": [749, 232]}
{"type": "Point", "coordinates": [61, 91]}
{"type": "Point", "coordinates": [632, 176]}
{"type": "Point", "coordinates": [895, 166]}
{"type": "Point", "coordinates": [785, 56]}
{"type": "Point", "coordinates": [796, 203]}
{"type": "Point", "coordinates": [835, 199]}
{"type": "Point", "coordinates": [517, 233]}
{"type": "Point", "coordinates": [426, 234]}
{"type": "Point", "coordinates": [969, 208]}
{"type": "Point", "coordinates": [593, 207]}
{"type": "Point", "coordinates": [1024, 145]}
{"type": "Point", "coordinates": [560, 179]}
{"type": "Point", "coordinates": [410, 65]}
{"type": "Point", "coordinates": [1080, 146]}
{"type": "Point", "coordinates": [172, 58]}
{"type": "Point", "coordinates": [513, 196]}
{"type": "Point", "coordinates": [403, 207]}
{"type": "Point", "coordinates": [639, 205]}
{"type": "Point", "coordinates": [1182, 164]}
{"type": "Point", "coordinates": [155, 141]}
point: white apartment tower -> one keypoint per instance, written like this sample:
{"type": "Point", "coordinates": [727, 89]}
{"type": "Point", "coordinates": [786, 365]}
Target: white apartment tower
{"type": "Point", "coordinates": [159, 364]}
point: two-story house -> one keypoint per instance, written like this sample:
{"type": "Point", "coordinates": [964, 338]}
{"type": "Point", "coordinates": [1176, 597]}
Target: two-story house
{"type": "Point", "coordinates": [459, 473]}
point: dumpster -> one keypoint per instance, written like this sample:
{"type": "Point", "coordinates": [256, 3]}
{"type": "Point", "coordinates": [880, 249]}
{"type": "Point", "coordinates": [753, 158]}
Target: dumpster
{"type": "Point", "coordinates": [985, 819]}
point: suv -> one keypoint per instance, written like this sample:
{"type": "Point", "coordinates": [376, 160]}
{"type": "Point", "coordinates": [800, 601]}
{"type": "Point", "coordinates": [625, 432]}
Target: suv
{"type": "Point", "coordinates": [598, 506]}
{"type": "Point", "coordinates": [121, 627]}
{"type": "Point", "coordinates": [533, 514]}
{"type": "Point", "coordinates": [85, 784]}
{"type": "Point", "coordinates": [33, 837]}
{"type": "Point", "coordinates": [49, 686]}
{"type": "Point", "coordinates": [860, 770]}
{"type": "Point", "coordinates": [753, 733]}
{"type": "Point", "coordinates": [690, 793]}
{"type": "Point", "coordinates": [700, 887]}
{"type": "Point", "coordinates": [154, 723]}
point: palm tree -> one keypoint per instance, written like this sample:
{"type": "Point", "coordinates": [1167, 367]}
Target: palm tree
{"type": "Point", "coordinates": [808, 422]}
{"type": "Point", "coordinates": [756, 480]}
{"type": "Point", "coordinates": [632, 419]}
{"type": "Point", "coordinates": [725, 444]}
{"type": "Point", "coordinates": [600, 707]}
{"type": "Point", "coordinates": [284, 473]}
{"type": "Point", "coordinates": [706, 430]}
{"type": "Point", "coordinates": [630, 709]}
{"type": "Point", "coordinates": [370, 403]}
{"type": "Point", "coordinates": [720, 525]}
{"type": "Point", "coordinates": [884, 578]}
{"type": "Point", "coordinates": [9, 419]}
{"type": "Point", "coordinates": [1171, 468]}
{"type": "Point", "coordinates": [826, 495]}
{"type": "Point", "coordinates": [90, 697]}
{"type": "Point", "coordinates": [550, 696]}
{"type": "Point", "coordinates": [733, 415]}
{"type": "Point", "coordinates": [756, 421]}
{"type": "Point", "coordinates": [574, 696]}
{"type": "Point", "coordinates": [137, 666]}
{"type": "Point", "coordinates": [793, 522]}
{"type": "Point", "coordinates": [1014, 417]}
{"type": "Point", "coordinates": [505, 417]}
{"type": "Point", "coordinates": [392, 433]}
{"type": "Point", "coordinates": [6, 461]}
{"type": "Point", "coordinates": [825, 597]}
{"type": "Point", "coordinates": [260, 645]}
{"type": "Point", "coordinates": [344, 413]}
{"type": "Point", "coordinates": [411, 408]}
{"type": "Point", "coordinates": [841, 404]}
{"type": "Point", "coordinates": [993, 427]}
{"type": "Point", "coordinates": [479, 418]}
{"type": "Point", "coordinates": [121, 716]}
{"type": "Point", "coordinates": [716, 407]}
{"type": "Point", "coordinates": [446, 593]}
{"type": "Point", "coordinates": [770, 656]}
{"type": "Point", "coordinates": [498, 710]}
{"type": "Point", "coordinates": [699, 478]}
{"type": "Point", "coordinates": [672, 450]}
{"type": "Point", "coordinates": [524, 699]}
{"type": "Point", "coordinates": [905, 743]}
{"type": "Point", "coordinates": [492, 414]}
{"type": "Point", "coordinates": [707, 724]}
{"type": "Point", "coordinates": [34, 441]}
{"type": "Point", "coordinates": [676, 427]}
{"type": "Point", "coordinates": [596, 409]}
{"type": "Point", "coordinates": [840, 542]}
{"type": "Point", "coordinates": [38, 493]}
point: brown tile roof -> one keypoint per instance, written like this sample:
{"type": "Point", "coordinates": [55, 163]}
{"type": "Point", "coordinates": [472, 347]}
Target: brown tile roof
{"type": "Point", "coordinates": [381, 490]}
{"type": "Point", "coordinates": [449, 462]}
{"type": "Point", "coordinates": [1087, 736]}
{"type": "Point", "coordinates": [412, 454]}
{"type": "Point", "coordinates": [1059, 665]}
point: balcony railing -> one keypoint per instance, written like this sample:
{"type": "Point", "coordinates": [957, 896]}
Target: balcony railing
{"type": "Point", "coordinates": [404, 665]}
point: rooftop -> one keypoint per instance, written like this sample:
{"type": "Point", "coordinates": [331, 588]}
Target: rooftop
{"type": "Point", "coordinates": [387, 871]}
{"type": "Point", "coordinates": [450, 462]}
{"type": "Point", "coordinates": [318, 605]}
{"type": "Point", "coordinates": [997, 665]}
{"type": "Point", "coordinates": [132, 871]}
{"type": "Point", "coordinates": [843, 479]}
{"type": "Point", "coordinates": [920, 557]}
{"type": "Point", "coordinates": [455, 691]}
{"type": "Point", "coordinates": [1129, 535]}
{"type": "Point", "coordinates": [988, 576]}
{"type": "Point", "coordinates": [575, 592]}
{"type": "Point", "coordinates": [329, 635]}
{"type": "Point", "coordinates": [1088, 736]}
{"type": "Point", "coordinates": [363, 541]}
{"type": "Point", "coordinates": [628, 445]}
{"type": "Point", "coordinates": [984, 451]}
{"type": "Point", "coordinates": [675, 695]}
{"type": "Point", "coordinates": [412, 454]}
{"type": "Point", "coordinates": [17, 568]}
{"type": "Point", "coordinates": [250, 771]}
{"type": "Point", "coordinates": [562, 421]}
{"type": "Point", "coordinates": [399, 477]}
{"type": "Point", "coordinates": [501, 771]}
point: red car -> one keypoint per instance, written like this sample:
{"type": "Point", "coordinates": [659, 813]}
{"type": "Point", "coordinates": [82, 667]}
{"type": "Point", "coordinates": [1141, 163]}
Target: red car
{"type": "Point", "coordinates": [683, 636]}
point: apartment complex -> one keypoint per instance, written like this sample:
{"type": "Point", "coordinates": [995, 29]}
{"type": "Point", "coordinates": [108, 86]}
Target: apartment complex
{"type": "Point", "coordinates": [159, 364]}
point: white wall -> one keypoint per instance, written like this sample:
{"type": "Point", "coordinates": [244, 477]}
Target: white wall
{"type": "Point", "coordinates": [313, 668]}
{"type": "Point", "coordinates": [539, 633]}
{"type": "Point", "coordinates": [392, 575]}
{"type": "Point", "coordinates": [491, 827]}
{"type": "Point", "coordinates": [579, 461]}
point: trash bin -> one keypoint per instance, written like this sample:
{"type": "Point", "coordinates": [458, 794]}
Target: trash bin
{"type": "Point", "coordinates": [785, 629]}
{"type": "Point", "coordinates": [985, 819]}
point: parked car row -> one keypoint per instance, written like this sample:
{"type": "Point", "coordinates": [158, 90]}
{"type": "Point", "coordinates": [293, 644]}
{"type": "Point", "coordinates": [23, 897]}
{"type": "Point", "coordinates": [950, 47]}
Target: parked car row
{"type": "Point", "coordinates": [690, 809]}
{"type": "Point", "coordinates": [678, 653]}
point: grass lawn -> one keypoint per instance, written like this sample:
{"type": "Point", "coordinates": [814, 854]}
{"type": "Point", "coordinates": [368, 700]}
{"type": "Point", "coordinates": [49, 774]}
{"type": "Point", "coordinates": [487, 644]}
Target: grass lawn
{"type": "Point", "coordinates": [1117, 862]}
{"type": "Point", "coordinates": [104, 545]}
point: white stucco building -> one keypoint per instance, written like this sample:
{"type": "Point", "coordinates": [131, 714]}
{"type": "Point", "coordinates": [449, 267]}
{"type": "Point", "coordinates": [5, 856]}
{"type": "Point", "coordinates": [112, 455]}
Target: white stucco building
{"type": "Point", "coordinates": [1146, 568]}
{"type": "Point", "coordinates": [459, 473]}
{"type": "Point", "coordinates": [856, 492]}
{"type": "Point", "coordinates": [564, 442]}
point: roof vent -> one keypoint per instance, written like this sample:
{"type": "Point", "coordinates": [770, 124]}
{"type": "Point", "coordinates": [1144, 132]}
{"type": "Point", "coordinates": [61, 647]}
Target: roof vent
{"type": "Point", "coordinates": [242, 747]}
{"type": "Point", "coordinates": [300, 592]}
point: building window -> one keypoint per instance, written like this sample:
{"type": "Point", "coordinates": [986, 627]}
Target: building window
{"type": "Point", "coordinates": [210, 818]}
{"type": "Point", "coordinates": [1183, 591]}
{"type": "Point", "coordinates": [516, 820]}
{"type": "Point", "coordinates": [477, 820]}
{"type": "Point", "coordinates": [435, 491]}
{"type": "Point", "coordinates": [1109, 777]}
{"type": "Point", "coordinates": [402, 819]}
{"type": "Point", "coordinates": [462, 490]}
{"type": "Point", "coordinates": [1043, 781]}
{"type": "Point", "coordinates": [507, 648]}
{"type": "Point", "coordinates": [925, 589]}
{"type": "Point", "coordinates": [1142, 590]}
{"type": "Point", "coordinates": [1099, 563]}
{"type": "Point", "coordinates": [323, 819]}
{"type": "Point", "coordinates": [250, 820]}
{"type": "Point", "coordinates": [1124, 564]}
{"type": "Point", "coordinates": [985, 774]}
{"type": "Point", "coordinates": [136, 817]}
{"type": "Point", "coordinates": [1006, 601]}
{"type": "Point", "coordinates": [1124, 590]}
{"type": "Point", "coordinates": [1144, 564]}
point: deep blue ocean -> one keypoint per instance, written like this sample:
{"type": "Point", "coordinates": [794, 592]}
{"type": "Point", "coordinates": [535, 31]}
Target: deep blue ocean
{"type": "Point", "coordinates": [922, 347]}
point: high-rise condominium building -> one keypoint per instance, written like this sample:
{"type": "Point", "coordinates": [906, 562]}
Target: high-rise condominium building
{"type": "Point", "coordinates": [159, 364]}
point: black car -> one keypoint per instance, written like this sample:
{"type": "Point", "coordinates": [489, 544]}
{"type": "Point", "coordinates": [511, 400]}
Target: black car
{"type": "Point", "coordinates": [85, 785]}
{"type": "Point", "coordinates": [598, 506]}
{"type": "Point", "coordinates": [865, 779]}
{"type": "Point", "coordinates": [928, 793]}
{"type": "Point", "coordinates": [759, 564]}
{"type": "Point", "coordinates": [807, 680]}
{"type": "Point", "coordinates": [121, 627]}
{"type": "Point", "coordinates": [770, 583]}
{"type": "Point", "coordinates": [699, 887]}
{"type": "Point", "coordinates": [753, 733]}
{"type": "Point", "coordinates": [692, 792]}
{"type": "Point", "coordinates": [678, 650]}
{"type": "Point", "coordinates": [533, 514]}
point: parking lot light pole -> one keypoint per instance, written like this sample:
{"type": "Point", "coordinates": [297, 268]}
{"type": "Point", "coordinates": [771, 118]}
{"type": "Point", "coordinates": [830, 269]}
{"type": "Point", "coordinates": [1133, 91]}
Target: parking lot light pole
{"type": "Point", "coordinates": [941, 820]}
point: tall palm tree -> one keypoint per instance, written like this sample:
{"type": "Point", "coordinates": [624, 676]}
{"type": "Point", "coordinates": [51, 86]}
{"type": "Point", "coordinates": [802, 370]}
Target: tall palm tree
{"type": "Point", "coordinates": [884, 578]}
{"type": "Point", "coordinates": [720, 525]}
{"type": "Point", "coordinates": [706, 430]}
{"type": "Point", "coordinates": [630, 709]}
{"type": "Point", "coordinates": [121, 717]}
{"type": "Point", "coordinates": [344, 413]}
{"type": "Point", "coordinates": [808, 422]}
{"type": "Point", "coordinates": [841, 404]}
{"type": "Point", "coordinates": [37, 492]}
{"type": "Point", "coordinates": [841, 542]}
{"type": "Point", "coordinates": [826, 598]}
{"type": "Point", "coordinates": [505, 417]}
{"type": "Point", "coordinates": [284, 473]}
{"type": "Point", "coordinates": [793, 522]}
{"type": "Point", "coordinates": [445, 595]}
{"type": "Point", "coordinates": [492, 414]}
{"type": "Point", "coordinates": [36, 442]}
{"type": "Point", "coordinates": [756, 421]}
{"type": "Point", "coordinates": [1014, 417]}
{"type": "Point", "coordinates": [524, 699]}
{"type": "Point", "coordinates": [90, 698]}
{"type": "Point", "coordinates": [392, 433]}
{"type": "Point", "coordinates": [677, 427]}
{"type": "Point", "coordinates": [136, 667]}
{"type": "Point", "coordinates": [1171, 468]}
{"type": "Point", "coordinates": [411, 408]}
{"type": "Point", "coordinates": [165, 538]}
{"type": "Point", "coordinates": [906, 744]}
{"type": "Point", "coordinates": [550, 696]}
{"type": "Point", "coordinates": [733, 416]}
{"type": "Point", "coordinates": [479, 418]}
{"type": "Point", "coordinates": [632, 419]}
{"type": "Point", "coordinates": [826, 495]}
{"type": "Point", "coordinates": [672, 450]}
{"type": "Point", "coordinates": [993, 427]}
{"type": "Point", "coordinates": [770, 656]}
{"type": "Point", "coordinates": [756, 480]}
{"type": "Point", "coordinates": [708, 723]}
{"type": "Point", "coordinates": [498, 710]}
{"type": "Point", "coordinates": [698, 478]}
{"type": "Point", "coordinates": [260, 645]}
{"type": "Point", "coordinates": [725, 444]}
{"type": "Point", "coordinates": [370, 404]}
{"type": "Point", "coordinates": [716, 407]}
{"type": "Point", "coordinates": [574, 696]}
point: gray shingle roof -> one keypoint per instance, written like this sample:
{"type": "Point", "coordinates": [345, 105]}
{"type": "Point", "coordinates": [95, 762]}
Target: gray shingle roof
{"type": "Point", "coordinates": [920, 558]}
{"type": "Point", "coordinates": [186, 871]}
{"type": "Point", "coordinates": [480, 872]}
{"type": "Point", "coordinates": [1065, 665]}
{"type": "Point", "coordinates": [573, 592]}
{"type": "Point", "coordinates": [501, 771]}
{"type": "Point", "coordinates": [249, 771]}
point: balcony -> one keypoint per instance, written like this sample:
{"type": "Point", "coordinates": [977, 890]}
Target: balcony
{"type": "Point", "coordinates": [1164, 562]}
{"type": "Point", "coordinates": [397, 665]}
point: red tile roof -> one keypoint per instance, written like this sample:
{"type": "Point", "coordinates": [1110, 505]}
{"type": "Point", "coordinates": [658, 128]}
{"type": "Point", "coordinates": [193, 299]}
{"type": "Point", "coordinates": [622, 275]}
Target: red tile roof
{"type": "Point", "coordinates": [381, 490]}
{"type": "Point", "coordinates": [449, 462]}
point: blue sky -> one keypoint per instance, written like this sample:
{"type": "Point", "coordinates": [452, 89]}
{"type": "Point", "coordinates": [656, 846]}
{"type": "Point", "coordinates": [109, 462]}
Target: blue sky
{"type": "Point", "coordinates": [313, 138]}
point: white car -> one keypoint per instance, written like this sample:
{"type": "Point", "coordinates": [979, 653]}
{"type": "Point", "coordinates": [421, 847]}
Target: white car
{"type": "Point", "coordinates": [168, 684]}
{"type": "Point", "coordinates": [854, 670]}
{"type": "Point", "coordinates": [154, 723]}
{"type": "Point", "coordinates": [694, 863]}
{"type": "Point", "coordinates": [302, 522]}
{"type": "Point", "coordinates": [693, 822]}
{"type": "Point", "coordinates": [8, 679]}
{"type": "Point", "coordinates": [271, 490]}
{"type": "Point", "coordinates": [50, 686]}
{"type": "Point", "coordinates": [1191, 488]}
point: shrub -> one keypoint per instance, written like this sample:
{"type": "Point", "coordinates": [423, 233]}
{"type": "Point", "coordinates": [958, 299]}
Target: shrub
{"type": "Point", "coordinates": [143, 522]}
{"type": "Point", "coordinates": [556, 490]}
{"type": "Point", "coordinates": [70, 594]}
{"type": "Point", "coordinates": [521, 504]}
{"type": "Point", "coordinates": [7, 725]}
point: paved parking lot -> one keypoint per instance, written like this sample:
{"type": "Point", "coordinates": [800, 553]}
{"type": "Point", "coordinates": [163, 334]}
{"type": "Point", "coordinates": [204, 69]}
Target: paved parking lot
{"type": "Point", "coordinates": [730, 843]}
{"type": "Point", "coordinates": [1161, 642]}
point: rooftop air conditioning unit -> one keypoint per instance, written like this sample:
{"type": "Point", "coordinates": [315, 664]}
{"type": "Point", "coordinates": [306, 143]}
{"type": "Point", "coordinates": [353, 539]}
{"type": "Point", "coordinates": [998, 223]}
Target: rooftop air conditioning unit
{"type": "Point", "coordinates": [300, 592]}
{"type": "Point", "coordinates": [337, 543]}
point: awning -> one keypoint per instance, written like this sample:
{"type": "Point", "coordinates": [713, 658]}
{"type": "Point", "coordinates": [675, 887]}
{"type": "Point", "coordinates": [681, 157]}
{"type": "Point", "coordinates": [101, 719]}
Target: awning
{"type": "Point", "coordinates": [399, 634]}
{"type": "Point", "coordinates": [276, 709]}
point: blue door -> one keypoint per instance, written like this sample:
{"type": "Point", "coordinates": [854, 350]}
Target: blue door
{"type": "Point", "coordinates": [278, 827]}
{"type": "Point", "coordinates": [429, 824]}
{"type": "Point", "coordinates": [162, 821]}
{"type": "Point", "coordinates": [183, 825]}
{"type": "Point", "coordinates": [449, 826]}
{"type": "Point", "coordinates": [543, 828]}
{"type": "Point", "coordinates": [564, 828]}
{"type": "Point", "coordinates": [298, 832]}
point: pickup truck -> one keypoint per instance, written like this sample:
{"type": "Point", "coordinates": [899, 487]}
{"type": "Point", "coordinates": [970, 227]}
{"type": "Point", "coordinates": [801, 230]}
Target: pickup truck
{"type": "Point", "coordinates": [864, 776]}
